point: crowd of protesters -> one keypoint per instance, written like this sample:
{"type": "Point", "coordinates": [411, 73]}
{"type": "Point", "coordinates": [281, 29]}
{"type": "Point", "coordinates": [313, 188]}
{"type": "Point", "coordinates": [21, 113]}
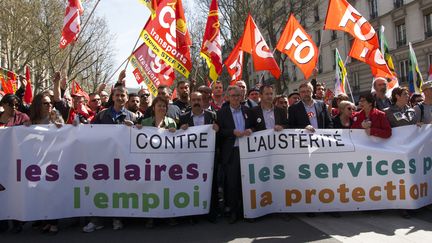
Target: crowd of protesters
{"type": "Point", "coordinates": [235, 113]}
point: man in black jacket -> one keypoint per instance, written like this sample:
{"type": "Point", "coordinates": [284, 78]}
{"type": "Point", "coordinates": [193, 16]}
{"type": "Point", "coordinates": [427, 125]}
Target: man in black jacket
{"type": "Point", "coordinates": [266, 115]}
{"type": "Point", "coordinates": [234, 122]}
{"type": "Point", "coordinates": [308, 114]}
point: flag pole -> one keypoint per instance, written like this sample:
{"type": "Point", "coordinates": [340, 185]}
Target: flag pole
{"type": "Point", "coordinates": [79, 33]}
{"type": "Point", "coordinates": [118, 68]}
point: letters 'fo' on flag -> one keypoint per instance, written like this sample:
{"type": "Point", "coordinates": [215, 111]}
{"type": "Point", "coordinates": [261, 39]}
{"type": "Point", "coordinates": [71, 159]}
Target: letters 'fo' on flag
{"type": "Point", "coordinates": [342, 16]}
{"type": "Point", "coordinates": [71, 23]}
{"type": "Point", "coordinates": [211, 49]}
{"type": "Point", "coordinates": [298, 46]}
{"type": "Point", "coordinates": [234, 62]}
{"type": "Point", "coordinates": [148, 67]}
{"type": "Point", "coordinates": [168, 37]}
{"type": "Point", "coordinates": [254, 43]}
{"type": "Point", "coordinates": [28, 93]}
{"type": "Point", "coordinates": [340, 75]}
{"type": "Point", "coordinates": [415, 79]}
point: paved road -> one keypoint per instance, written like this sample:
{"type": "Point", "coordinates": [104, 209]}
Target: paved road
{"type": "Point", "coordinates": [368, 227]}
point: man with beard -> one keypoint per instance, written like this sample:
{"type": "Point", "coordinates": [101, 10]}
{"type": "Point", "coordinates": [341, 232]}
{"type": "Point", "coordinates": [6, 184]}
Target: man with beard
{"type": "Point", "coordinates": [133, 105]}
{"type": "Point", "coordinates": [381, 100]}
{"type": "Point", "coordinates": [183, 96]}
{"type": "Point", "coordinates": [308, 114]}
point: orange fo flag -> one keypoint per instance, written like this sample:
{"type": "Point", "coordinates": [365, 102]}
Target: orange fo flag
{"type": "Point", "coordinates": [298, 46]}
{"type": "Point", "coordinates": [211, 49]}
{"type": "Point", "coordinates": [254, 43]}
{"type": "Point", "coordinates": [28, 93]}
{"type": "Point", "coordinates": [168, 37]}
{"type": "Point", "coordinates": [342, 16]}
{"type": "Point", "coordinates": [234, 63]}
{"type": "Point", "coordinates": [367, 53]}
{"type": "Point", "coordinates": [71, 23]}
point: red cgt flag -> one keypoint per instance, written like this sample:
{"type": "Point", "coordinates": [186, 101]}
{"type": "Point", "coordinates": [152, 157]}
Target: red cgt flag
{"type": "Point", "coordinates": [71, 23]}
{"type": "Point", "coordinates": [151, 69]}
{"type": "Point", "coordinates": [254, 43]}
{"type": "Point", "coordinates": [167, 36]}
{"type": "Point", "coordinates": [234, 62]}
{"type": "Point", "coordinates": [28, 93]}
{"type": "Point", "coordinates": [342, 16]}
{"type": "Point", "coordinates": [298, 46]}
{"type": "Point", "coordinates": [211, 49]}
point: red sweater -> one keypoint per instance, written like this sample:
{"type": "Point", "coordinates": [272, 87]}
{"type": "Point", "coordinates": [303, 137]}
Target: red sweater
{"type": "Point", "coordinates": [380, 126]}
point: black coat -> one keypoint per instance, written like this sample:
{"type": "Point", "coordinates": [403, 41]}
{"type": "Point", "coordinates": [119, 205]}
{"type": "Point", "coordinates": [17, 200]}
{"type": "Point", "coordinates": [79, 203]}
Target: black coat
{"type": "Point", "coordinates": [258, 122]}
{"type": "Point", "coordinates": [226, 124]}
{"type": "Point", "coordinates": [186, 118]}
{"type": "Point", "coordinates": [297, 117]}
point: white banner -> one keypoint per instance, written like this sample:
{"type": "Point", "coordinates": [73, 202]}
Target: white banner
{"type": "Point", "coordinates": [335, 170]}
{"type": "Point", "coordinates": [104, 170]}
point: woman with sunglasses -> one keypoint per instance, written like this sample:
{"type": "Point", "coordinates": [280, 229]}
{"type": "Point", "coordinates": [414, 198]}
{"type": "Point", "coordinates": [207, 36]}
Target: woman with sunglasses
{"type": "Point", "coordinates": [11, 116]}
{"type": "Point", "coordinates": [344, 118]}
{"type": "Point", "coordinates": [41, 111]}
{"type": "Point", "coordinates": [400, 113]}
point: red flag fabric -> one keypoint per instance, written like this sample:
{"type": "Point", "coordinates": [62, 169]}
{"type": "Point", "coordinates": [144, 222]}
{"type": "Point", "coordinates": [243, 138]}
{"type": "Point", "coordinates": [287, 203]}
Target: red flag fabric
{"type": "Point", "coordinates": [298, 46]}
{"type": "Point", "coordinates": [365, 52]}
{"type": "Point", "coordinates": [234, 62]}
{"type": "Point", "coordinates": [211, 49]}
{"type": "Point", "coordinates": [342, 16]}
{"type": "Point", "coordinates": [148, 67]}
{"type": "Point", "coordinates": [168, 37]}
{"type": "Point", "coordinates": [12, 81]}
{"type": "Point", "coordinates": [28, 94]}
{"type": "Point", "coordinates": [71, 23]}
{"type": "Point", "coordinates": [254, 43]}
{"type": "Point", "coordinates": [430, 72]}
{"type": "Point", "coordinates": [77, 90]}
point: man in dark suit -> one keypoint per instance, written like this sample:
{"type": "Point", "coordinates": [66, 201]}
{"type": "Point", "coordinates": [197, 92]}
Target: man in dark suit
{"type": "Point", "coordinates": [266, 115]}
{"type": "Point", "coordinates": [234, 122]}
{"type": "Point", "coordinates": [199, 116]}
{"type": "Point", "coordinates": [308, 113]}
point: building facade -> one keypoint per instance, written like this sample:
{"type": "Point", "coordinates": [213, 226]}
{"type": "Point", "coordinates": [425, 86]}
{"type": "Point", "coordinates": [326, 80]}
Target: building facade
{"type": "Point", "coordinates": [404, 21]}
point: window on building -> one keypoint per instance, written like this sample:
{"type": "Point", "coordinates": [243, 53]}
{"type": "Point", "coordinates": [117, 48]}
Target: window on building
{"type": "Point", "coordinates": [294, 73]}
{"type": "Point", "coordinates": [356, 82]}
{"type": "Point", "coordinates": [318, 37]}
{"type": "Point", "coordinates": [334, 59]}
{"type": "Point", "coordinates": [334, 35]}
{"type": "Point", "coordinates": [430, 59]}
{"type": "Point", "coordinates": [373, 9]}
{"type": "Point", "coordinates": [403, 71]}
{"type": "Point", "coordinates": [428, 24]}
{"type": "Point", "coordinates": [401, 34]}
{"type": "Point", "coordinates": [398, 3]}
{"type": "Point", "coordinates": [316, 13]}
{"type": "Point", "coordinates": [320, 65]}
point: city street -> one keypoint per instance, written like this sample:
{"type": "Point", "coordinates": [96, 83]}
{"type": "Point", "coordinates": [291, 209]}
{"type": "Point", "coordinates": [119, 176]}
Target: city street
{"type": "Point", "coordinates": [373, 226]}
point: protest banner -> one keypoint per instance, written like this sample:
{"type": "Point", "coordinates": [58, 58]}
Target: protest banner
{"type": "Point", "coordinates": [105, 170]}
{"type": "Point", "coordinates": [335, 170]}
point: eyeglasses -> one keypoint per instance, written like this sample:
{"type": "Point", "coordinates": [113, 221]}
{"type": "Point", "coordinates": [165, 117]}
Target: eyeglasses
{"type": "Point", "coordinates": [144, 95]}
{"type": "Point", "coordinates": [235, 95]}
{"type": "Point", "coordinates": [94, 100]}
{"type": "Point", "coordinates": [47, 103]}
{"type": "Point", "coordinates": [349, 108]}
{"type": "Point", "coordinates": [13, 104]}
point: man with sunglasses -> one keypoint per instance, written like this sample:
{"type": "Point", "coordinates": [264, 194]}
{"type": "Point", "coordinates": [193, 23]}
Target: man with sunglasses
{"type": "Point", "coordinates": [95, 103]}
{"type": "Point", "coordinates": [145, 100]}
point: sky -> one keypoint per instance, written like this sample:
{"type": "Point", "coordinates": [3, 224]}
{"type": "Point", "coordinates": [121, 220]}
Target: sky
{"type": "Point", "coordinates": [125, 19]}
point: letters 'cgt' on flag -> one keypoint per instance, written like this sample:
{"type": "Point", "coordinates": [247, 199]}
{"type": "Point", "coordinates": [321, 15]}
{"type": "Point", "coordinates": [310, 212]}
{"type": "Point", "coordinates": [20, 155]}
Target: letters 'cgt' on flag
{"type": "Point", "coordinates": [342, 16]}
{"type": "Point", "coordinates": [151, 69]}
{"type": "Point", "coordinates": [71, 23]}
{"type": "Point", "coordinates": [211, 49]}
{"type": "Point", "coordinates": [168, 37]}
{"type": "Point", "coordinates": [253, 42]}
{"type": "Point", "coordinates": [340, 75]}
{"type": "Point", "coordinates": [234, 63]}
{"type": "Point", "coordinates": [415, 79]}
{"type": "Point", "coordinates": [298, 46]}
